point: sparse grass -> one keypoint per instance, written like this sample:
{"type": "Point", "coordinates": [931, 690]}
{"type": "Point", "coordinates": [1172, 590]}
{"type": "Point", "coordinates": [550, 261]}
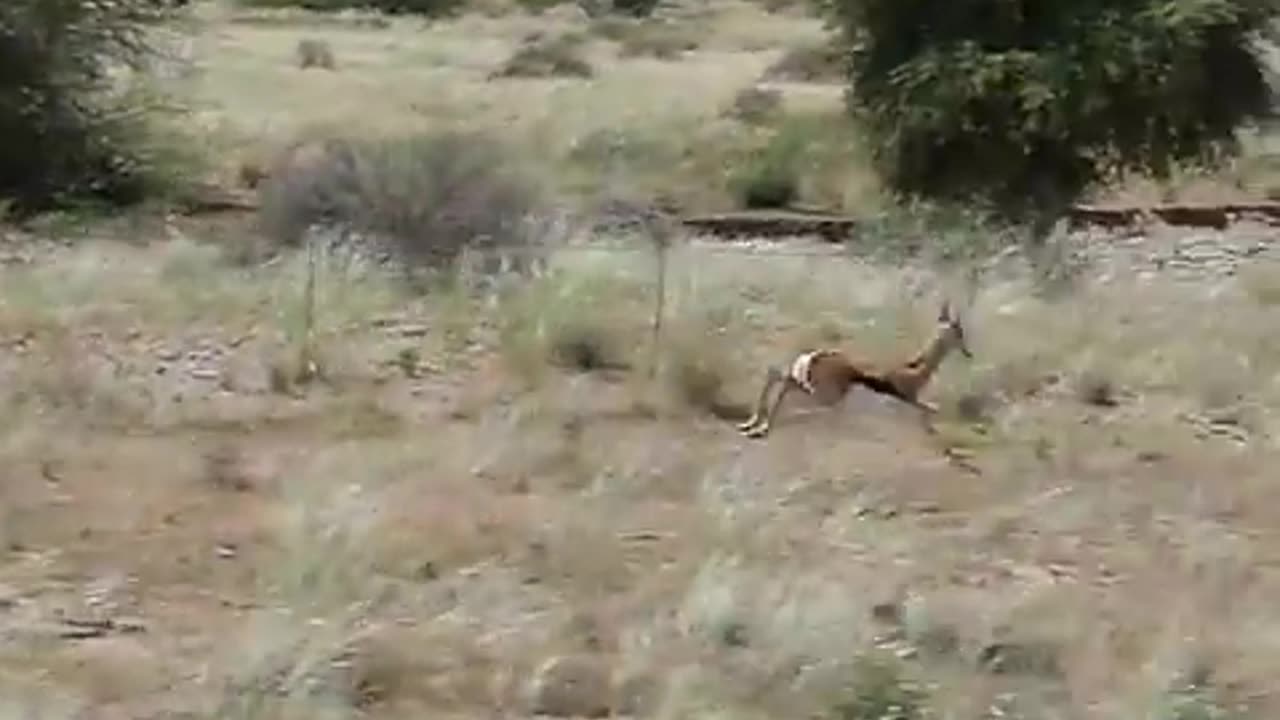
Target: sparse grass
{"type": "Point", "coordinates": [566, 489]}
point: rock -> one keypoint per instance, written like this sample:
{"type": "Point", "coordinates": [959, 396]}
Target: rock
{"type": "Point", "coordinates": [573, 686]}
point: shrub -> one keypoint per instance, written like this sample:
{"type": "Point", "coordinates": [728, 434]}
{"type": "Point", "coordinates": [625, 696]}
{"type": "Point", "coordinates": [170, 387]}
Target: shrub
{"type": "Point", "coordinates": [315, 53]}
{"type": "Point", "coordinates": [70, 134]}
{"type": "Point", "coordinates": [754, 104]}
{"type": "Point", "coordinates": [430, 195]}
{"type": "Point", "coordinates": [539, 56]}
{"type": "Point", "coordinates": [1025, 106]}
{"type": "Point", "coordinates": [662, 40]}
{"type": "Point", "coordinates": [818, 62]}
{"type": "Point", "coordinates": [771, 177]}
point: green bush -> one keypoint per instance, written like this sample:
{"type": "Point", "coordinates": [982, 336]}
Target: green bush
{"type": "Point", "coordinates": [72, 133]}
{"type": "Point", "coordinates": [1026, 105]}
{"type": "Point", "coordinates": [770, 178]}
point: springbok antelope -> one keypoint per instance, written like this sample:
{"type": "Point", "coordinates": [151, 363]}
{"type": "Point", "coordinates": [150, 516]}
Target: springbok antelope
{"type": "Point", "coordinates": [828, 375]}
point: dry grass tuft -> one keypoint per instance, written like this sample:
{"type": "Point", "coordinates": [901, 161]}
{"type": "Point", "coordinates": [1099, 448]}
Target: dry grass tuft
{"type": "Point", "coordinates": [663, 40]}
{"type": "Point", "coordinates": [542, 56]}
{"type": "Point", "coordinates": [821, 62]}
{"type": "Point", "coordinates": [756, 105]}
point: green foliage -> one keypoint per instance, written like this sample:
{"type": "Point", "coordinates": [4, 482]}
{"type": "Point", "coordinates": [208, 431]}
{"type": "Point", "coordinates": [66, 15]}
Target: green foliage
{"type": "Point", "coordinates": [771, 177]}
{"type": "Point", "coordinates": [429, 8]}
{"type": "Point", "coordinates": [1199, 702]}
{"type": "Point", "coordinates": [1026, 105]}
{"type": "Point", "coordinates": [72, 133]}
{"type": "Point", "coordinates": [879, 691]}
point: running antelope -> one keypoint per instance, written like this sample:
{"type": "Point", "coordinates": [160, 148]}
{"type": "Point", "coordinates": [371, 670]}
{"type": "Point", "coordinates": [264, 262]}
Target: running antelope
{"type": "Point", "coordinates": [828, 375]}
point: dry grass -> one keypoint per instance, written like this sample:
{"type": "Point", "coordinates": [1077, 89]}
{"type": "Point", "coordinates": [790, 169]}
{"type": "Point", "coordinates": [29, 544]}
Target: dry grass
{"type": "Point", "coordinates": [481, 492]}
{"type": "Point", "coordinates": [400, 543]}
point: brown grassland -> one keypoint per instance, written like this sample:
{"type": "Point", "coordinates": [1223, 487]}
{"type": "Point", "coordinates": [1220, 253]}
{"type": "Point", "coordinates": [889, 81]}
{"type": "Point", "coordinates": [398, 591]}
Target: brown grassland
{"type": "Point", "coordinates": [188, 528]}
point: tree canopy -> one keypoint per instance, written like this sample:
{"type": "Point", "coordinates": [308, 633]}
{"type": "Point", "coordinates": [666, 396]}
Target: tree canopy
{"type": "Point", "coordinates": [1023, 104]}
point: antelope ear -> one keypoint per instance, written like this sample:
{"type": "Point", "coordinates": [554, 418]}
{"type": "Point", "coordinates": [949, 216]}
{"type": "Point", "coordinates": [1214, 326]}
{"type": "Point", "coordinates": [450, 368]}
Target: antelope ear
{"type": "Point", "coordinates": [944, 315]}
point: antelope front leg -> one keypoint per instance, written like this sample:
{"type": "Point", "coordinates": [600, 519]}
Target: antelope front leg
{"type": "Point", "coordinates": [928, 411]}
{"type": "Point", "coordinates": [771, 378]}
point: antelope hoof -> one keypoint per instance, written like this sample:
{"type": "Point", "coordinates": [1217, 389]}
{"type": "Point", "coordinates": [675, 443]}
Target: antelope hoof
{"type": "Point", "coordinates": [758, 431]}
{"type": "Point", "coordinates": [745, 426]}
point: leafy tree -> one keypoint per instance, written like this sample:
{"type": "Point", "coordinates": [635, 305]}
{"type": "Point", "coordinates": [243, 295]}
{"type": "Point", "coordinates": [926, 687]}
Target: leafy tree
{"type": "Point", "coordinates": [1023, 104]}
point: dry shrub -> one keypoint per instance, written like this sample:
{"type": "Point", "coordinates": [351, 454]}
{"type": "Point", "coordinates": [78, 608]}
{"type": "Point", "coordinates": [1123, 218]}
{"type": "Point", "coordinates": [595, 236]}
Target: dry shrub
{"type": "Point", "coordinates": [314, 53]}
{"type": "Point", "coordinates": [815, 63]}
{"type": "Point", "coordinates": [661, 40]}
{"type": "Point", "coordinates": [696, 369]}
{"type": "Point", "coordinates": [541, 56]}
{"type": "Point", "coordinates": [755, 105]}
{"type": "Point", "coordinates": [431, 196]}
{"type": "Point", "coordinates": [612, 27]}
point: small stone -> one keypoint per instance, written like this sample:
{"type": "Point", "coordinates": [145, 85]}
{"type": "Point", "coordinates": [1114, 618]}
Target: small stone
{"type": "Point", "coordinates": [413, 331]}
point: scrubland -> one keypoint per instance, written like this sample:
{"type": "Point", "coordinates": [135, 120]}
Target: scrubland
{"type": "Point", "coordinates": [502, 495]}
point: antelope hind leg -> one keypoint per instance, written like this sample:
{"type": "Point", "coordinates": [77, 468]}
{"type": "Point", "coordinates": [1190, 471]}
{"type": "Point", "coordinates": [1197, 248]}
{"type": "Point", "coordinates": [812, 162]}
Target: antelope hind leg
{"type": "Point", "coordinates": [762, 428]}
{"type": "Point", "coordinates": [771, 378]}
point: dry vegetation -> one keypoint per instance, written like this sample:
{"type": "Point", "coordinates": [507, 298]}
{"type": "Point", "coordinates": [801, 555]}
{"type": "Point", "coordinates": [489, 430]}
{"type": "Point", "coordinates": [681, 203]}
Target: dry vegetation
{"type": "Point", "coordinates": [223, 501]}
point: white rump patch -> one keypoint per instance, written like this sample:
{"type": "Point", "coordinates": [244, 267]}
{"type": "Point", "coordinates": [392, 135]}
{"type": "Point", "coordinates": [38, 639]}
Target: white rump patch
{"type": "Point", "coordinates": [800, 370]}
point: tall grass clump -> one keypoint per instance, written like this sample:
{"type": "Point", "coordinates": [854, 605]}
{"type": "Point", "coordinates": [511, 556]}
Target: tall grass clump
{"type": "Point", "coordinates": [75, 128]}
{"type": "Point", "coordinates": [425, 197]}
